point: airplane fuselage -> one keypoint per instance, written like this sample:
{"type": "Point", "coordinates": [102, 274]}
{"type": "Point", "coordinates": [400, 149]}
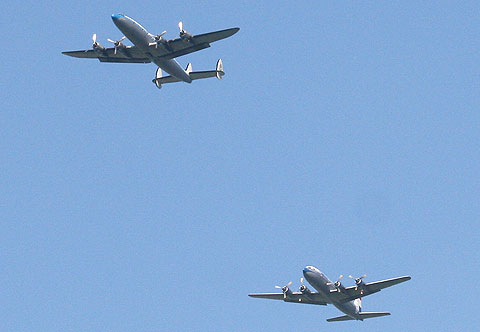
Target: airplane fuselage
{"type": "Point", "coordinates": [142, 39]}
{"type": "Point", "coordinates": [323, 285]}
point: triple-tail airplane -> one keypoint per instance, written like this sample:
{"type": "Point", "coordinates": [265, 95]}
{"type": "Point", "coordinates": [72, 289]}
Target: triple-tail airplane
{"type": "Point", "coordinates": [154, 48]}
{"type": "Point", "coordinates": [346, 299]}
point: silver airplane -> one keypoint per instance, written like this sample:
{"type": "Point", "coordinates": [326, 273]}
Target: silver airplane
{"type": "Point", "coordinates": [346, 299]}
{"type": "Point", "coordinates": [154, 48]}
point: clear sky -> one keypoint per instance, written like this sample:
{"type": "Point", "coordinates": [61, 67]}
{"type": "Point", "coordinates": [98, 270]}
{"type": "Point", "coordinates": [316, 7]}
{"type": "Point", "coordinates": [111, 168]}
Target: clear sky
{"type": "Point", "coordinates": [344, 135]}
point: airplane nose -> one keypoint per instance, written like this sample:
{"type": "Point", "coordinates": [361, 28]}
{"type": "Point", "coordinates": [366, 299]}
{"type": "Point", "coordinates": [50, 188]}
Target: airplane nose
{"type": "Point", "coordinates": [116, 16]}
{"type": "Point", "coordinates": [306, 270]}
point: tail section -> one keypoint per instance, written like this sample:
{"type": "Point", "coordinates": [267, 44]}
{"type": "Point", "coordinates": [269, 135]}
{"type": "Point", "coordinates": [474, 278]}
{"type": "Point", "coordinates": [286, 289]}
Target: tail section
{"type": "Point", "coordinates": [340, 319]}
{"type": "Point", "coordinates": [158, 77]}
{"type": "Point", "coordinates": [219, 69]}
{"type": "Point", "coordinates": [366, 315]}
{"type": "Point", "coordinates": [358, 304]}
{"type": "Point", "coordinates": [189, 68]}
{"type": "Point", "coordinates": [194, 75]}
{"type": "Point", "coordinates": [360, 316]}
{"type": "Point", "coordinates": [218, 72]}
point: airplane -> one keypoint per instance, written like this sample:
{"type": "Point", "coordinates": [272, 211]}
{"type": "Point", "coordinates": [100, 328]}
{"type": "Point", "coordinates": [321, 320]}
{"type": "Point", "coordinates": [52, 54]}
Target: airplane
{"type": "Point", "coordinates": [154, 48]}
{"type": "Point", "coordinates": [346, 299]}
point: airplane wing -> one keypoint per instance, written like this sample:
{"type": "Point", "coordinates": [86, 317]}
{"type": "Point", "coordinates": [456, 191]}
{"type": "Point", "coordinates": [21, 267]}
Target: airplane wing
{"type": "Point", "coordinates": [169, 50]}
{"type": "Point", "coordinates": [128, 55]}
{"type": "Point", "coordinates": [351, 293]}
{"type": "Point", "coordinates": [178, 47]}
{"type": "Point", "coordinates": [295, 297]}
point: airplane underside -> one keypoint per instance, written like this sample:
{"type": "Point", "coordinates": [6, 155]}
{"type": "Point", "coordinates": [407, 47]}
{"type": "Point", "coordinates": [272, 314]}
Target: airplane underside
{"type": "Point", "coordinates": [149, 48]}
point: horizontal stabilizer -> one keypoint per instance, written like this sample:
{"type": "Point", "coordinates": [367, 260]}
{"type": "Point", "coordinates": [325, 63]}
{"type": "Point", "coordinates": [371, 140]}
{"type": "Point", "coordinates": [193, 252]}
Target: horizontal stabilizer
{"type": "Point", "coordinates": [366, 315]}
{"type": "Point", "coordinates": [218, 72]}
{"type": "Point", "coordinates": [340, 319]}
{"type": "Point", "coordinates": [361, 316]}
{"type": "Point", "coordinates": [194, 75]}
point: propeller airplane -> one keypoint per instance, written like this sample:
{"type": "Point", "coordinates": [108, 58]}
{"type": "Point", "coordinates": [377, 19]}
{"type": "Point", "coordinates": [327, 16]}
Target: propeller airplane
{"type": "Point", "coordinates": [346, 299]}
{"type": "Point", "coordinates": [154, 48]}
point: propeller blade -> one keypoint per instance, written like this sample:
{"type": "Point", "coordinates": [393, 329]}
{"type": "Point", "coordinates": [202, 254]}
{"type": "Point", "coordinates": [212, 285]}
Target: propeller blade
{"type": "Point", "coordinates": [161, 34]}
{"type": "Point", "coordinates": [288, 285]}
{"type": "Point", "coordinates": [180, 25]}
{"type": "Point", "coordinates": [122, 38]}
{"type": "Point", "coordinates": [111, 41]}
{"type": "Point", "coordinates": [94, 38]}
{"type": "Point", "coordinates": [301, 280]}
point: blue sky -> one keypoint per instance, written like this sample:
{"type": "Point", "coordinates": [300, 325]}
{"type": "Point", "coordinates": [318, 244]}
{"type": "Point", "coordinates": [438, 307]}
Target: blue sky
{"type": "Point", "coordinates": [343, 136]}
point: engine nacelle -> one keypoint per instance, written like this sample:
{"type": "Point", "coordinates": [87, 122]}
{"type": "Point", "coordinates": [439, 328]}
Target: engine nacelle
{"type": "Point", "coordinates": [97, 47]}
{"type": "Point", "coordinates": [360, 284]}
{"type": "Point", "coordinates": [185, 36]}
{"type": "Point", "coordinates": [338, 285]}
{"type": "Point", "coordinates": [120, 46]}
{"type": "Point", "coordinates": [286, 293]}
{"type": "Point", "coordinates": [304, 289]}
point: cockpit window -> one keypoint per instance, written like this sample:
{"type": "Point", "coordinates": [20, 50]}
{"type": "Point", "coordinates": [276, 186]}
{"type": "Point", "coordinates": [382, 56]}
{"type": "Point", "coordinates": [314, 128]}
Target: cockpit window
{"type": "Point", "coordinates": [313, 268]}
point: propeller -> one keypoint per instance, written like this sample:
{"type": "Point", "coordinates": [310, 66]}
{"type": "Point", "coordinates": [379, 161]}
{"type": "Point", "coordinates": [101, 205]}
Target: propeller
{"type": "Point", "coordinates": [358, 281]}
{"type": "Point", "coordinates": [337, 284]}
{"type": "Point", "coordinates": [94, 39]}
{"type": "Point", "coordinates": [159, 39]}
{"type": "Point", "coordinates": [159, 36]}
{"type": "Point", "coordinates": [96, 45]}
{"type": "Point", "coordinates": [183, 33]}
{"type": "Point", "coordinates": [117, 43]}
{"type": "Point", "coordinates": [285, 289]}
{"type": "Point", "coordinates": [303, 288]}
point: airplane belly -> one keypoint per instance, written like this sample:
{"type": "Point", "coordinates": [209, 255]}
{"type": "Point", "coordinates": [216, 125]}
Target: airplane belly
{"type": "Point", "coordinates": [134, 32]}
{"type": "Point", "coordinates": [347, 308]}
{"type": "Point", "coordinates": [137, 37]}
{"type": "Point", "coordinates": [173, 68]}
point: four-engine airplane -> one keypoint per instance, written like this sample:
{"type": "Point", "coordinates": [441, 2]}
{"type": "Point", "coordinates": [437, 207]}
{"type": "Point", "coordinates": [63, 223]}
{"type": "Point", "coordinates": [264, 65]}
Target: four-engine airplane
{"type": "Point", "coordinates": [154, 48]}
{"type": "Point", "coordinates": [346, 299]}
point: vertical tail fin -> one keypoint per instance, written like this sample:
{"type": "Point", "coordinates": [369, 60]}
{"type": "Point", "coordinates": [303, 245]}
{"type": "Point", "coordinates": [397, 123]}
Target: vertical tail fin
{"type": "Point", "coordinates": [158, 76]}
{"type": "Point", "coordinates": [358, 304]}
{"type": "Point", "coordinates": [219, 69]}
